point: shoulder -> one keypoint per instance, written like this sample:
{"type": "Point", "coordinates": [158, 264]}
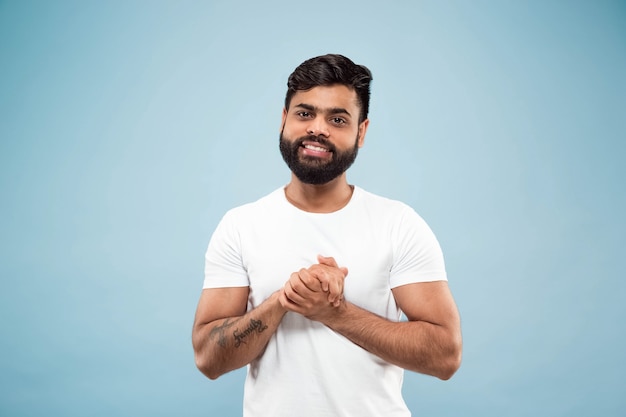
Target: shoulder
{"type": "Point", "coordinates": [269, 202]}
{"type": "Point", "coordinates": [245, 218]}
{"type": "Point", "coordinates": [396, 215]}
{"type": "Point", "coordinates": [383, 204]}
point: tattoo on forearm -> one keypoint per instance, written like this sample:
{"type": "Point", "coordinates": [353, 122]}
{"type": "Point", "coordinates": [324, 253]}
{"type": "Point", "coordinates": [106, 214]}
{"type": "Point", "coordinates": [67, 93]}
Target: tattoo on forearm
{"type": "Point", "coordinates": [255, 326]}
{"type": "Point", "coordinates": [219, 332]}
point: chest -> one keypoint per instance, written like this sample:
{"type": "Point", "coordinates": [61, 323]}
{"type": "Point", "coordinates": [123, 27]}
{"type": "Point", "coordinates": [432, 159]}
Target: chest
{"type": "Point", "coordinates": [272, 250]}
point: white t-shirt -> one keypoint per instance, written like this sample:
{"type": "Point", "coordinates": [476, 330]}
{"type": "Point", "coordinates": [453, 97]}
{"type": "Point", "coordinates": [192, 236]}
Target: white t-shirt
{"type": "Point", "coordinates": [308, 369]}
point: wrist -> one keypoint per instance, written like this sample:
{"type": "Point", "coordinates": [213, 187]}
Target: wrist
{"type": "Point", "coordinates": [277, 300]}
{"type": "Point", "coordinates": [336, 315]}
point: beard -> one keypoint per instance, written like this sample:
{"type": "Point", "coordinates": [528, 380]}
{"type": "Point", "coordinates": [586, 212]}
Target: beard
{"type": "Point", "coordinates": [316, 171]}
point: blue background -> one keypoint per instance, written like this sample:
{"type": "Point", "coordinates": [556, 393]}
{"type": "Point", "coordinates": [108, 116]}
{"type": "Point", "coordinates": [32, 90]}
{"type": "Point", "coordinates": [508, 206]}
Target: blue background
{"type": "Point", "coordinates": [128, 128]}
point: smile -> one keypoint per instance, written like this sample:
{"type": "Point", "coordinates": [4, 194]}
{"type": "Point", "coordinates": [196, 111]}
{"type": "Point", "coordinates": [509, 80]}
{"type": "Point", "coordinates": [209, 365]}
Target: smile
{"type": "Point", "coordinates": [316, 148]}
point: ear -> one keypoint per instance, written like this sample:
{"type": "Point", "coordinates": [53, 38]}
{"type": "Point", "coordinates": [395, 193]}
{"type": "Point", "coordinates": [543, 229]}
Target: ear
{"type": "Point", "coordinates": [362, 131]}
{"type": "Point", "coordinates": [284, 117]}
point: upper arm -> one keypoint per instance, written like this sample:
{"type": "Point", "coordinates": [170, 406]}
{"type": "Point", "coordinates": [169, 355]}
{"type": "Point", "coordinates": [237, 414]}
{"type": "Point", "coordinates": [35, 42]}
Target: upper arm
{"type": "Point", "coordinates": [219, 303]}
{"type": "Point", "coordinates": [430, 302]}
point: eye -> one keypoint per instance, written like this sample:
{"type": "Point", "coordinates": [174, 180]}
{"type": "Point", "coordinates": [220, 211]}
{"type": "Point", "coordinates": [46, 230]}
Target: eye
{"type": "Point", "coordinates": [338, 121]}
{"type": "Point", "coordinates": [304, 114]}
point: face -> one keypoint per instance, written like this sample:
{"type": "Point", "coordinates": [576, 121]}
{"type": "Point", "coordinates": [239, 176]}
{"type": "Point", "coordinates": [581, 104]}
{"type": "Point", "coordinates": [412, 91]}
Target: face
{"type": "Point", "coordinates": [321, 134]}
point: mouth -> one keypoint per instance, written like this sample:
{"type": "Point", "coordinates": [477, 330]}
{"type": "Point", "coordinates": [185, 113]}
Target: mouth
{"type": "Point", "coordinates": [315, 149]}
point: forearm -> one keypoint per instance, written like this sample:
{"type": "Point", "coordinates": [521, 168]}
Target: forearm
{"type": "Point", "coordinates": [226, 344]}
{"type": "Point", "coordinates": [419, 346]}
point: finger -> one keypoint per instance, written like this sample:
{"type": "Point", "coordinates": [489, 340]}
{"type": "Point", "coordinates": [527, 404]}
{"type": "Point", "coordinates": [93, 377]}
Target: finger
{"type": "Point", "coordinates": [335, 290]}
{"type": "Point", "coordinates": [310, 281]}
{"type": "Point", "coordinates": [327, 260]}
{"type": "Point", "coordinates": [324, 285]}
{"type": "Point", "coordinates": [284, 300]}
{"type": "Point", "coordinates": [330, 261]}
{"type": "Point", "coordinates": [320, 275]}
{"type": "Point", "coordinates": [288, 304]}
{"type": "Point", "coordinates": [297, 283]}
{"type": "Point", "coordinates": [291, 293]}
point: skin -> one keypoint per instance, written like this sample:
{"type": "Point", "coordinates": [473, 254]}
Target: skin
{"type": "Point", "coordinates": [226, 337]}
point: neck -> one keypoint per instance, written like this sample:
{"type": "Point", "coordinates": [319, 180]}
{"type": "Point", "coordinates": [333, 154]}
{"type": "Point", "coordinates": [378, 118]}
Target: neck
{"type": "Point", "coordinates": [324, 198]}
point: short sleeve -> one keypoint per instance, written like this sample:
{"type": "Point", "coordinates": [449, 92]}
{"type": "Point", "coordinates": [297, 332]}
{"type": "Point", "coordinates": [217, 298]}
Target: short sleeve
{"type": "Point", "coordinates": [223, 266]}
{"type": "Point", "coordinates": [417, 256]}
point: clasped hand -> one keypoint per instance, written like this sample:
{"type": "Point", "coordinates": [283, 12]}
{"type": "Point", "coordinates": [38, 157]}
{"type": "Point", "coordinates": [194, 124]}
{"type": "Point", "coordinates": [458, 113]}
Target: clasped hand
{"type": "Point", "coordinates": [315, 291]}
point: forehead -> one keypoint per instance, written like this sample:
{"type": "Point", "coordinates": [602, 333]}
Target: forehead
{"type": "Point", "coordinates": [324, 97]}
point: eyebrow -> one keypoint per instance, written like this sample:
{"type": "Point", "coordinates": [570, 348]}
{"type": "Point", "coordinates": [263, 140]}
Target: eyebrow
{"type": "Point", "coordinates": [330, 110]}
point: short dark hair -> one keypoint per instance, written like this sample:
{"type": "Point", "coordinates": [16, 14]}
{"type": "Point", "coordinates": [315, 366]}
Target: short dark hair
{"type": "Point", "coordinates": [332, 69]}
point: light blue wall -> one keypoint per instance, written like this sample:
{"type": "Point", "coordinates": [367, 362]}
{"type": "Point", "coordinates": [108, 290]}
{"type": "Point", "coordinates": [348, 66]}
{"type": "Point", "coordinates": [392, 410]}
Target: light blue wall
{"type": "Point", "coordinates": [128, 128]}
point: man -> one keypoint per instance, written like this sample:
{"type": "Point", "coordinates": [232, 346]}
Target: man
{"type": "Point", "coordinates": [306, 286]}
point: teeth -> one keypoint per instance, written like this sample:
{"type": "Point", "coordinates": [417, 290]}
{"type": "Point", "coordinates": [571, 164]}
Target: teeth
{"type": "Point", "coordinates": [316, 148]}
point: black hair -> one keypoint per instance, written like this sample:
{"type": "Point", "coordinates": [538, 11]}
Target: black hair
{"type": "Point", "coordinates": [332, 69]}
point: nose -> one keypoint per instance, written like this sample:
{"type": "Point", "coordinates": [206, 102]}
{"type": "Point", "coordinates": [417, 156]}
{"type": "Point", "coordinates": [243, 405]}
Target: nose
{"type": "Point", "coordinates": [318, 127]}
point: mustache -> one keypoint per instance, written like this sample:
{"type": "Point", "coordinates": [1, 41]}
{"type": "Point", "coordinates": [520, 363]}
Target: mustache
{"type": "Point", "coordinates": [319, 139]}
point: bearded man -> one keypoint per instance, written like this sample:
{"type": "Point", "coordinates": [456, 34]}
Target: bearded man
{"type": "Point", "coordinates": [307, 285]}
